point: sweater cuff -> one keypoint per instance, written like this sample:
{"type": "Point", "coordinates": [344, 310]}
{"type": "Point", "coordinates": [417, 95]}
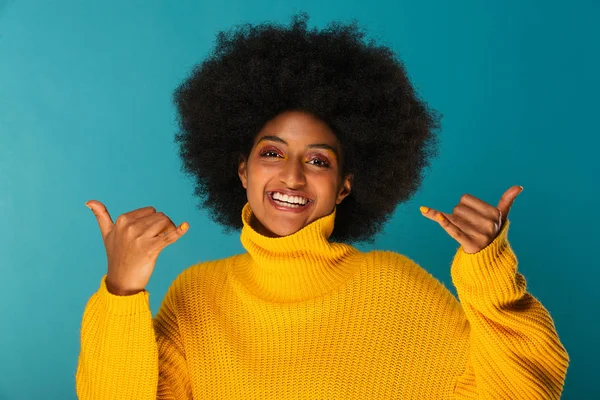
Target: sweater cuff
{"type": "Point", "coordinates": [490, 275]}
{"type": "Point", "coordinates": [123, 305]}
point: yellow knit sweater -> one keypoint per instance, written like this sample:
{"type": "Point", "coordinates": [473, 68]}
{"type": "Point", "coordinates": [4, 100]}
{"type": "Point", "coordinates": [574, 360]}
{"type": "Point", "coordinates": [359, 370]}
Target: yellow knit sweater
{"type": "Point", "coordinates": [300, 317]}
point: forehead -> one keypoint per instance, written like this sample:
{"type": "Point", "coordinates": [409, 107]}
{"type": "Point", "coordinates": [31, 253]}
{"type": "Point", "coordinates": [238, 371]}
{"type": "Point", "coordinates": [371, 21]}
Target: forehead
{"type": "Point", "coordinates": [297, 127]}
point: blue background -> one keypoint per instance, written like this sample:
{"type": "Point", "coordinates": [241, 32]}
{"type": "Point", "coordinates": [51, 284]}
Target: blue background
{"type": "Point", "coordinates": [86, 113]}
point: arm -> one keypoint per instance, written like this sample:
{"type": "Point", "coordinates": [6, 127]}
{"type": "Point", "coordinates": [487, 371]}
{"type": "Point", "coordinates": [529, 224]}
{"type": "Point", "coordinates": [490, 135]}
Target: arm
{"type": "Point", "coordinates": [125, 354]}
{"type": "Point", "coordinates": [515, 352]}
{"type": "Point", "coordinates": [173, 379]}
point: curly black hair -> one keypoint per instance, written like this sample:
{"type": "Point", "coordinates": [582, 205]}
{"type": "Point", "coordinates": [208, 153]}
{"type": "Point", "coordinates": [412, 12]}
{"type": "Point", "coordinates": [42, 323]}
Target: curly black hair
{"type": "Point", "coordinates": [360, 89]}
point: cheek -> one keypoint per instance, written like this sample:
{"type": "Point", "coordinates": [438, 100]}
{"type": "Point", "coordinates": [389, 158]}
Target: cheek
{"type": "Point", "coordinates": [327, 187]}
{"type": "Point", "coordinates": [257, 174]}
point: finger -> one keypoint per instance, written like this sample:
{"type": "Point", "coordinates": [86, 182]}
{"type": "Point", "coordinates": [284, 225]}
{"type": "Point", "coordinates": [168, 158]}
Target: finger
{"type": "Point", "coordinates": [172, 235]}
{"type": "Point", "coordinates": [156, 224]}
{"type": "Point", "coordinates": [480, 206]}
{"type": "Point", "coordinates": [468, 219]}
{"type": "Point", "coordinates": [140, 213]}
{"type": "Point", "coordinates": [105, 222]}
{"type": "Point", "coordinates": [507, 200]}
{"type": "Point", "coordinates": [446, 222]}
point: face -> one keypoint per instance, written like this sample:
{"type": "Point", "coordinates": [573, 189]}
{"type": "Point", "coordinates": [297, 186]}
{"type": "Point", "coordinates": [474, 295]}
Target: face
{"type": "Point", "coordinates": [292, 175]}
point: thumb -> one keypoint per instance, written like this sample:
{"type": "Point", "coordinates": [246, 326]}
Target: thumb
{"type": "Point", "coordinates": [104, 220]}
{"type": "Point", "coordinates": [507, 200]}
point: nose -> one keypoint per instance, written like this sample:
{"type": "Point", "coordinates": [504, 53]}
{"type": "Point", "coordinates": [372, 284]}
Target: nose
{"type": "Point", "coordinates": [292, 173]}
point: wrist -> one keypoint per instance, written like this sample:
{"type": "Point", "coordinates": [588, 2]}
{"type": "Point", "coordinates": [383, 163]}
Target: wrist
{"type": "Point", "coordinates": [115, 290]}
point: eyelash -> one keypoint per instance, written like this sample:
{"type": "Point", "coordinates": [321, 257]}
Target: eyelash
{"type": "Point", "coordinates": [324, 163]}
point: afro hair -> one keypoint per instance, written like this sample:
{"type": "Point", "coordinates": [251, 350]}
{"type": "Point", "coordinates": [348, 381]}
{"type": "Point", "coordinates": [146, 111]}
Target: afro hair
{"type": "Point", "coordinates": [361, 90]}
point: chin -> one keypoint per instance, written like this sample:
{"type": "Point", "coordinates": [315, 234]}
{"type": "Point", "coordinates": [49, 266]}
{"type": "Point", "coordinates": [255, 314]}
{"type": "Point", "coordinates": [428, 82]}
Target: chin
{"type": "Point", "coordinates": [278, 225]}
{"type": "Point", "coordinates": [283, 230]}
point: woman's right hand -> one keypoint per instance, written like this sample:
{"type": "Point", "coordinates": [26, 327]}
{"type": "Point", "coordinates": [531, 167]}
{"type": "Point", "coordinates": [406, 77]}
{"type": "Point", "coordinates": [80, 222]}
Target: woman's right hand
{"type": "Point", "coordinates": [133, 244]}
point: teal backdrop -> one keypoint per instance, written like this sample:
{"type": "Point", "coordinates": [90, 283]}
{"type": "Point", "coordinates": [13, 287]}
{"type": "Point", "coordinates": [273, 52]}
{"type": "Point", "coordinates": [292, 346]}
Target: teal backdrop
{"type": "Point", "coordinates": [86, 113]}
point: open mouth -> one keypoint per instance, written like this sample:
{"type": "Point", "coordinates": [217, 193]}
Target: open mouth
{"type": "Point", "coordinates": [291, 202]}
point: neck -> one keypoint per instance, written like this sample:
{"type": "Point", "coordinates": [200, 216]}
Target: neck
{"type": "Point", "coordinates": [296, 267]}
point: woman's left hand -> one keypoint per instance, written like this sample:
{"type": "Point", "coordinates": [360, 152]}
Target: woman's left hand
{"type": "Point", "coordinates": [474, 223]}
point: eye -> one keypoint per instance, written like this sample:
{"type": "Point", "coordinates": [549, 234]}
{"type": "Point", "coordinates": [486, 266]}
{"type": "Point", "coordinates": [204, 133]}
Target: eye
{"type": "Point", "coordinates": [320, 162]}
{"type": "Point", "coordinates": [269, 153]}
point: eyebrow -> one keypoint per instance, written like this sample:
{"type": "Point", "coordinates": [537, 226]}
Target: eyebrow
{"type": "Point", "coordinates": [310, 146]}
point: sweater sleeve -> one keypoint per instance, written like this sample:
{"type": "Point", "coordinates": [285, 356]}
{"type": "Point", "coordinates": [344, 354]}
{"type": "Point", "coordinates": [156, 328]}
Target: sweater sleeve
{"type": "Point", "coordinates": [125, 354]}
{"type": "Point", "coordinates": [515, 352]}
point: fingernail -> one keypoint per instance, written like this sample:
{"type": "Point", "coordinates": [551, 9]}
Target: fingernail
{"type": "Point", "coordinates": [185, 226]}
{"type": "Point", "coordinates": [521, 188]}
{"type": "Point", "coordinates": [424, 209]}
{"type": "Point", "coordinates": [440, 217]}
{"type": "Point", "coordinates": [86, 204]}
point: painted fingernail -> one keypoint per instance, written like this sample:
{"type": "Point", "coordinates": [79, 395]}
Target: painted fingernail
{"type": "Point", "coordinates": [185, 226]}
{"type": "Point", "coordinates": [424, 209]}
{"type": "Point", "coordinates": [440, 217]}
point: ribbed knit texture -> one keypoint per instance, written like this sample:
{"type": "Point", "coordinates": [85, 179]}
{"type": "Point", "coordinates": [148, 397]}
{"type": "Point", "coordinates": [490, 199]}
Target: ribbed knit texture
{"type": "Point", "coordinates": [300, 317]}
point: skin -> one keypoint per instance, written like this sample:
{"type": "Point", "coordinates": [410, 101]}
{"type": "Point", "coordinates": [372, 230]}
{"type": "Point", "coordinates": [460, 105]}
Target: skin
{"type": "Point", "coordinates": [473, 223]}
{"type": "Point", "coordinates": [133, 243]}
{"type": "Point", "coordinates": [273, 165]}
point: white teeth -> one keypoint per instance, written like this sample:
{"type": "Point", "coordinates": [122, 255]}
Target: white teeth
{"type": "Point", "coordinates": [290, 199]}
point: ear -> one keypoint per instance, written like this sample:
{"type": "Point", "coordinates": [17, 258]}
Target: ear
{"type": "Point", "coordinates": [345, 189]}
{"type": "Point", "coordinates": [243, 171]}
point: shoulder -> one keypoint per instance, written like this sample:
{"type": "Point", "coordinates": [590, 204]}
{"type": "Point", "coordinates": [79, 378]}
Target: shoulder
{"type": "Point", "coordinates": [411, 286]}
{"type": "Point", "coordinates": [395, 263]}
{"type": "Point", "coordinates": [199, 278]}
{"type": "Point", "coordinates": [406, 272]}
{"type": "Point", "coordinates": [207, 268]}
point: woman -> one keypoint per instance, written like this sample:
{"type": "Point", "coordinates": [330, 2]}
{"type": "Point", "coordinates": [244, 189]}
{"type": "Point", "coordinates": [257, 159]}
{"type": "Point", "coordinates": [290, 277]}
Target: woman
{"type": "Point", "coordinates": [314, 137]}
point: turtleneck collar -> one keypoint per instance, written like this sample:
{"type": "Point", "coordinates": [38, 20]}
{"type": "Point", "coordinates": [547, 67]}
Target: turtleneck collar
{"type": "Point", "coordinates": [296, 267]}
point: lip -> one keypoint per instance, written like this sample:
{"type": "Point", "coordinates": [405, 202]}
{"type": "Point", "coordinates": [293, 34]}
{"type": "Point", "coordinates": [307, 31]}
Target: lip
{"type": "Point", "coordinates": [296, 210]}
{"type": "Point", "coordinates": [290, 193]}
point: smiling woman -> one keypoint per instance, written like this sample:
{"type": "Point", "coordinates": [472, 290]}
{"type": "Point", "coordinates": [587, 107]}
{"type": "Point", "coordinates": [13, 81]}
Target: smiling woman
{"type": "Point", "coordinates": [293, 176]}
{"type": "Point", "coordinates": [307, 140]}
